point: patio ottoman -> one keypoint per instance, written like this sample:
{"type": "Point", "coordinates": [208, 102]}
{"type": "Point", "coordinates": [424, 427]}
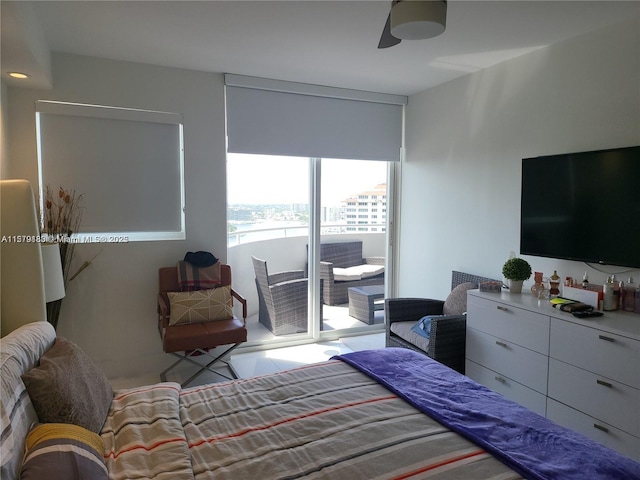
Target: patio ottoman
{"type": "Point", "coordinates": [365, 301]}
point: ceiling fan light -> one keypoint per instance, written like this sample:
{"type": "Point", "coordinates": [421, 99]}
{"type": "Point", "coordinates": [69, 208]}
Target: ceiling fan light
{"type": "Point", "coordinates": [418, 19]}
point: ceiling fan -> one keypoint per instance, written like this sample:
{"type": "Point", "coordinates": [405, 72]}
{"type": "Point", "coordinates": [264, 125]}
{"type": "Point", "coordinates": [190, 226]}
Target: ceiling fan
{"type": "Point", "coordinates": [413, 20]}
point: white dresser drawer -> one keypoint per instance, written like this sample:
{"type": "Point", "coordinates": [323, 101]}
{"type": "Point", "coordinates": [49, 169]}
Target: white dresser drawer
{"type": "Point", "coordinates": [613, 402]}
{"type": "Point", "coordinates": [521, 364]}
{"type": "Point", "coordinates": [604, 353]}
{"type": "Point", "coordinates": [595, 429]}
{"type": "Point", "coordinates": [507, 387]}
{"type": "Point", "coordinates": [516, 325]}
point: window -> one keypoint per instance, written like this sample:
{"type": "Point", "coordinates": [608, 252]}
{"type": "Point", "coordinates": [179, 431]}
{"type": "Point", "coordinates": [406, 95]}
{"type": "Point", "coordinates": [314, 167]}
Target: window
{"type": "Point", "coordinates": [106, 154]}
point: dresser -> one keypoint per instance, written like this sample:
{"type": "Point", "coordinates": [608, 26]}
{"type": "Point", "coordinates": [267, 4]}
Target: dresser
{"type": "Point", "coordinates": [580, 373]}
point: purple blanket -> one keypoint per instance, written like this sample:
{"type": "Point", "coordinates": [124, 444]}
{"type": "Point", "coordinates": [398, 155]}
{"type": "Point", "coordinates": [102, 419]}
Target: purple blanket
{"type": "Point", "coordinates": [530, 444]}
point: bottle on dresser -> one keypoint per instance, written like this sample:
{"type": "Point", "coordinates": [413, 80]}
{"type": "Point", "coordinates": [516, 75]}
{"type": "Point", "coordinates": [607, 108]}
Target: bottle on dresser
{"type": "Point", "coordinates": [629, 295]}
{"type": "Point", "coordinates": [607, 292]}
{"type": "Point", "coordinates": [616, 292]}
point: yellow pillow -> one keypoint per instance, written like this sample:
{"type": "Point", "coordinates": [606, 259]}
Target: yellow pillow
{"type": "Point", "coordinates": [59, 450]}
{"type": "Point", "coordinates": [200, 306]}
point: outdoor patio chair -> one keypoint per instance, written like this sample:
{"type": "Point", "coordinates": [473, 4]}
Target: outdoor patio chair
{"type": "Point", "coordinates": [282, 299]}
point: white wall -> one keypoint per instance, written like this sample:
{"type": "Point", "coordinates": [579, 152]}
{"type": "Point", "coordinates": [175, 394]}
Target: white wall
{"type": "Point", "coordinates": [4, 136]}
{"type": "Point", "coordinates": [460, 195]}
{"type": "Point", "coordinates": [110, 309]}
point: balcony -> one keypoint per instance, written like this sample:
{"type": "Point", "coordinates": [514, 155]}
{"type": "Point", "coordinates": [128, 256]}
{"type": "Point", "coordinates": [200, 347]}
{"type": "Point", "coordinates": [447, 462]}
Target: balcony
{"type": "Point", "coordinates": [285, 248]}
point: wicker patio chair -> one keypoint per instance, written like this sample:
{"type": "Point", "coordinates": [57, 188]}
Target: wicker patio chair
{"type": "Point", "coordinates": [282, 299]}
{"type": "Point", "coordinates": [446, 342]}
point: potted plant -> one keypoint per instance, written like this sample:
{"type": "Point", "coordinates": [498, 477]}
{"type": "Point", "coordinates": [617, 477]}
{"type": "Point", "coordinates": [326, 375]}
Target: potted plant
{"type": "Point", "coordinates": [516, 270]}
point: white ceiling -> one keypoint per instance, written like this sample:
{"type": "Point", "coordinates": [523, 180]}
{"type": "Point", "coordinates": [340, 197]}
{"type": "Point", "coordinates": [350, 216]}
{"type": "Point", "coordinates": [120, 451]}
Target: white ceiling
{"type": "Point", "coordinates": [320, 42]}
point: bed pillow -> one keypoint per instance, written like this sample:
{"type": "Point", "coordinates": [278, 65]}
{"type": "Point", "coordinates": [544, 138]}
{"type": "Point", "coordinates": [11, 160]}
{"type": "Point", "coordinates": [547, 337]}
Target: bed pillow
{"type": "Point", "coordinates": [456, 302]}
{"type": "Point", "coordinates": [67, 387]}
{"type": "Point", "coordinates": [200, 306]}
{"type": "Point", "coordinates": [58, 450]}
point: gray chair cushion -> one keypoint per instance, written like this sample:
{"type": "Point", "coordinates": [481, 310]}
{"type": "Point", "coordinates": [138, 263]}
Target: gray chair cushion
{"type": "Point", "coordinates": [456, 302]}
{"type": "Point", "coordinates": [403, 330]}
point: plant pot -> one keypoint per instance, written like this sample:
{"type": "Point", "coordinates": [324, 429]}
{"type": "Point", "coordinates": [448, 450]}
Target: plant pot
{"type": "Point", "coordinates": [515, 286]}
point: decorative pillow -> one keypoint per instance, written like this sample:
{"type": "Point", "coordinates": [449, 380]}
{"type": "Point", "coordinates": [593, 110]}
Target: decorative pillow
{"type": "Point", "coordinates": [58, 450]}
{"type": "Point", "coordinates": [67, 387]}
{"type": "Point", "coordinates": [192, 278]}
{"type": "Point", "coordinates": [423, 326]}
{"type": "Point", "coordinates": [456, 302]}
{"type": "Point", "coordinates": [200, 306]}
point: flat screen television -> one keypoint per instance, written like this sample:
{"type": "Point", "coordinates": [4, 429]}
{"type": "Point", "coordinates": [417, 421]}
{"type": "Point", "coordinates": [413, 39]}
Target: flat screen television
{"type": "Point", "coordinates": [582, 206]}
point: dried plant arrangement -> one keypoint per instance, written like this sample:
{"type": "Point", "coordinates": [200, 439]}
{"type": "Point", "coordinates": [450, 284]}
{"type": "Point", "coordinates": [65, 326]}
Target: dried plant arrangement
{"type": "Point", "coordinates": [61, 217]}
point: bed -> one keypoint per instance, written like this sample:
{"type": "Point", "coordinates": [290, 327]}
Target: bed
{"type": "Point", "coordinates": [385, 414]}
{"type": "Point", "coordinates": [379, 414]}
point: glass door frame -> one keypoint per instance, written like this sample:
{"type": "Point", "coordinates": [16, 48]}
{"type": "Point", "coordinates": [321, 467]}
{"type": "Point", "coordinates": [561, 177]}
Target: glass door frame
{"type": "Point", "coordinates": [315, 227]}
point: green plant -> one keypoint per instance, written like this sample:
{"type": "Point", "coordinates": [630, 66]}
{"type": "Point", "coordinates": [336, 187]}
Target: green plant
{"type": "Point", "coordinates": [516, 269]}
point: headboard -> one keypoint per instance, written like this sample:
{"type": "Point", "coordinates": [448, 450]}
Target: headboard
{"type": "Point", "coordinates": [22, 284]}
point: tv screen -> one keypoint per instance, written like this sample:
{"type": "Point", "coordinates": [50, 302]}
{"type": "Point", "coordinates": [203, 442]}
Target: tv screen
{"type": "Point", "coordinates": [582, 206]}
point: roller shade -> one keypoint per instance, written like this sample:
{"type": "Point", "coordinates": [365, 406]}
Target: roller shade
{"type": "Point", "coordinates": [127, 164]}
{"type": "Point", "coordinates": [272, 117]}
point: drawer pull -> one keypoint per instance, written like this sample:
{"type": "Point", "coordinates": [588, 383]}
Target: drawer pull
{"type": "Point", "coordinates": [601, 428]}
{"type": "Point", "coordinates": [501, 308]}
{"type": "Point", "coordinates": [606, 339]}
{"type": "Point", "coordinates": [500, 379]}
{"type": "Point", "coordinates": [604, 384]}
{"type": "Point", "coordinates": [502, 344]}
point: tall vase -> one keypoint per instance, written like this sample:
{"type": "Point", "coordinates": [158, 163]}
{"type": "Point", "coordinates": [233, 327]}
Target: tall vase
{"type": "Point", "coordinates": [515, 286]}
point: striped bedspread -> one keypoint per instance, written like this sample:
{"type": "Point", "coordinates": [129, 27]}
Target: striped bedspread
{"type": "Point", "coordinates": [325, 420]}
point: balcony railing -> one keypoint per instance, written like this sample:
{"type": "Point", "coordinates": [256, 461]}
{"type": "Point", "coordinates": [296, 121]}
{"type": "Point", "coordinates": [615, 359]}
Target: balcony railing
{"type": "Point", "coordinates": [286, 231]}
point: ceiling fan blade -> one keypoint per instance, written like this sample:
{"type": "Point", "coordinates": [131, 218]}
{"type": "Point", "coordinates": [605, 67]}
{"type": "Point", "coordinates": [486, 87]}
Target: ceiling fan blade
{"type": "Point", "coordinates": [387, 40]}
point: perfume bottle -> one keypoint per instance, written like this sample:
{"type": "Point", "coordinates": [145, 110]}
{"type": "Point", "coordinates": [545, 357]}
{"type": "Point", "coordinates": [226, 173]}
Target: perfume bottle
{"type": "Point", "coordinates": [554, 284]}
{"type": "Point", "coordinates": [538, 286]}
{"type": "Point", "coordinates": [585, 281]}
{"type": "Point", "coordinates": [629, 296]}
{"type": "Point", "coordinates": [616, 292]}
{"type": "Point", "coordinates": [607, 295]}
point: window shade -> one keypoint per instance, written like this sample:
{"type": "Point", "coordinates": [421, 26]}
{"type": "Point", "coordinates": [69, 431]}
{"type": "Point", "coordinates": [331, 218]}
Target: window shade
{"type": "Point", "coordinates": [127, 164]}
{"type": "Point", "coordinates": [273, 117]}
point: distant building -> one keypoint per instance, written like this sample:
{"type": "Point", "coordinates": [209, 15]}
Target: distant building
{"type": "Point", "coordinates": [366, 211]}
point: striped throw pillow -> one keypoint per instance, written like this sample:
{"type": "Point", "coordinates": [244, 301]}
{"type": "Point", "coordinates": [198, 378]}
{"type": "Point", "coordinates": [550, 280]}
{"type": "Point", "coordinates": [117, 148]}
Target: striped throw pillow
{"type": "Point", "coordinates": [63, 450]}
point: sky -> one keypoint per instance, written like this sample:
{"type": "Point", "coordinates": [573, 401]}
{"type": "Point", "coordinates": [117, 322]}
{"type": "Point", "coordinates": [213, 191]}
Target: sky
{"type": "Point", "coordinates": [259, 179]}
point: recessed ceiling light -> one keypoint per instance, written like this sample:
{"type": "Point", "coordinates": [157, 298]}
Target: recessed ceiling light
{"type": "Point", "coordinates": [19, 75]}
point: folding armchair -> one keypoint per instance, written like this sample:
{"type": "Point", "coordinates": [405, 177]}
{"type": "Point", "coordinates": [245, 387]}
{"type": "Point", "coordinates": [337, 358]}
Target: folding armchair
{"type": "Point", "coordinates": [282, 299]}
{"type": "Point", "coordinates": [205, 322]}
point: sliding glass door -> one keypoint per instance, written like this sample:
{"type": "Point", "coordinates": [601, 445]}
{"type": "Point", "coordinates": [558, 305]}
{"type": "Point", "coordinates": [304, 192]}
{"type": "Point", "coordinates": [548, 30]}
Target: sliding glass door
{"type": "Point", "coordinates": [353, 212]}
{"type": "Point", "coordinates": [277, 220]}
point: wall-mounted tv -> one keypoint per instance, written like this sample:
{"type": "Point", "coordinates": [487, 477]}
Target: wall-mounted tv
{"type": "Point", "coordinates": [582, 206]}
